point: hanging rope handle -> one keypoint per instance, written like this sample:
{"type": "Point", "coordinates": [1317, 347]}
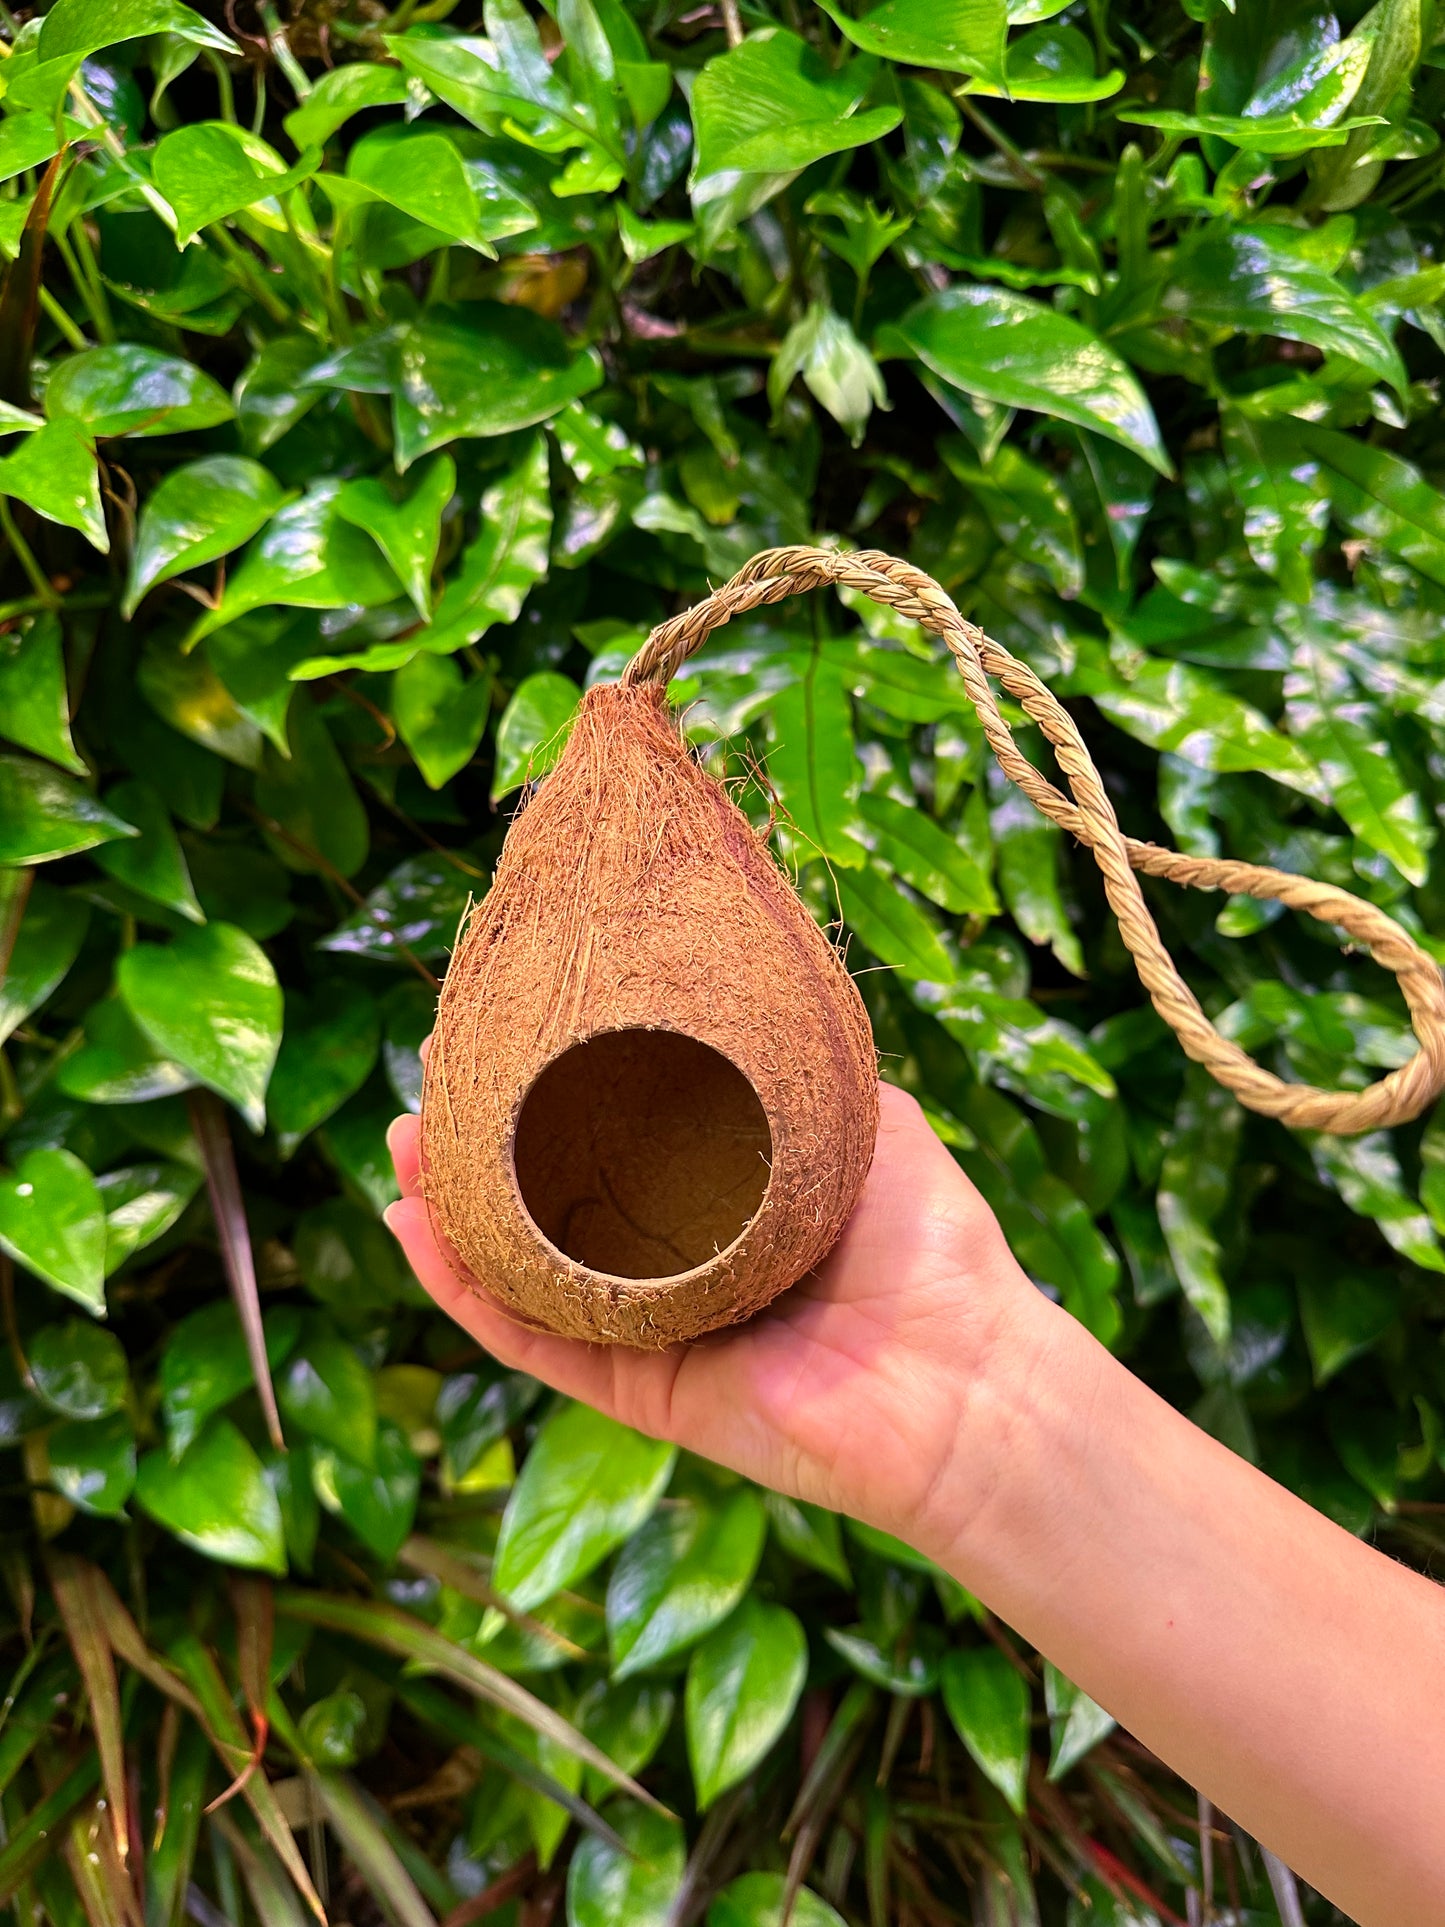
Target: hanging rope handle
{"type": "Point", "coordinates": [1403, 1094]}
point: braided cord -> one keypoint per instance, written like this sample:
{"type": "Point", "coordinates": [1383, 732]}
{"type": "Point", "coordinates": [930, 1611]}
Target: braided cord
{"type": "Point", "coordinates": [1403, 1094]}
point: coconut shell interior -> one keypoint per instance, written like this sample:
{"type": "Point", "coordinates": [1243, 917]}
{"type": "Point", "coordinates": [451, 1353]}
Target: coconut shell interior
{"type": "Point", "coordinates": [652, 1095]}
{"type": "Point", "coordinates": [642, 1153]}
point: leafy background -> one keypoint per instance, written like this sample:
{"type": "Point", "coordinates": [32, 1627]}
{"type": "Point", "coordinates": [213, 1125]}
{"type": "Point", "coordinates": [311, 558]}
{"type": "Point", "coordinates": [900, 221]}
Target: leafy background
{"type": "Point", "coordinates": [368, 384]}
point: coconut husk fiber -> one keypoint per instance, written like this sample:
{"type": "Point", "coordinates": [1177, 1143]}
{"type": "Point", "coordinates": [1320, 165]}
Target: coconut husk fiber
{"type": "Point", "coordinates": [652, 1094]}
{"type": "Point", "coordinates": [652, 1097]}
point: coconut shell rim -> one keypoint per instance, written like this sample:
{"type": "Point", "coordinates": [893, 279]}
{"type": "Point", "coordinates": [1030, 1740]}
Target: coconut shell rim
{"type": "Point", "coordinates": [575, 1266]}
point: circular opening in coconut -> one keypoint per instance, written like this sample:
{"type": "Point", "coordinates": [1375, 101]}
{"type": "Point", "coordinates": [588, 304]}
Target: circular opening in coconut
{"type": "Point", "coordinates": [641, 1153]}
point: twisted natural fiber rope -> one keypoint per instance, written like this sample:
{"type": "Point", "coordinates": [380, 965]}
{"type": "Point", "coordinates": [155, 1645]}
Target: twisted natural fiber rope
{"type": "Point", "coordinates": [1403, 1094]}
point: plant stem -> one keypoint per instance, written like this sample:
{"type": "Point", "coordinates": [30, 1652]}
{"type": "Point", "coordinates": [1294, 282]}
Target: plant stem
{"type": "Point", "coordinates": [62, 320]}
{"type": "Point", "coordinates": [25, 556]}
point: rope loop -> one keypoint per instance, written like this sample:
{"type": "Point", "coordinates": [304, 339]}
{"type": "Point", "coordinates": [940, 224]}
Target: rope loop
{"type": "Point", "coordinates": [1087, 814]}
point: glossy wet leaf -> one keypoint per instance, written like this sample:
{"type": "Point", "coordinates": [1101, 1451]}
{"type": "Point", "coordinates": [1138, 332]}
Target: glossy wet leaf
{"type": "Point", "coordinates": [74, 28]}
{"type": "Point", "coordinates": [205, 1365]}
{"type": "Point", "coordinates": [772, 105]}
{"type": "Point", "coordinates": [153, 863]}
{"type": "Point", "coordinates": [92, 1463]}
{"type": "Point", "coordinates": [417, 909]}
{"type": "Point", "coordinates": [421, 173]}
{"type": "Point", "coordinates": [1244, 279]}
{"type": "Point", "coordinates": [52, 929]}
{"type": "Point", "coordinates": [1277, 483]}
{"type": "Point", "coordinates": [378, 1500]}
{"type": "Point", "coordinates": [215, 1499]}
{"type": "Point", "coordinates": [1366, 1173]}
{"type": "Point", "coordinates": [679, 1576]}
{"type": "Point", "coordinates": [1378, 496]}
{"type": "Point", "coordinates": [1028, 851]}
{"type": "Point", "coordinates": [505, 558]}
{"type": "Point", "coordinates": [533, 730]}
{"type": "Point", "coordinates": [52, 1221]}
{"type": "Point", "coordinates": [329, 1043]}
{"type": "Point", "coordinates": [743, 1682]}
{"type": "Point", "coordinates": [480, 370]}
{"type": "Point", "coordinates": [813, 764]}
{"type": "Point", "coordinates": [906, 1666]}
{"type": "Point", "coordinates": [34, 699]}
{"type": "Point", "coordinates": [588, 1483]}
{"type": "Point", "coordinates": [78, 1369]}
{"type": "Point", "coordinates": [339, 94]}
{"type": "Point", "coordinates": [928, 858]}
{"type": "Point", "coordinates": [404, 523]}
{"type": "Point", "coordinates": [757, 1900]}
{"type": "Point", "coordinates": [209, 1001]}
{"type": "Point", "coordinates": [1077, 1722]}
{"type": "Point", "coordinates": [1008, 348]}
{"type": "Point", "coordinates": [1055, 63]}
{"type": "Point", "coordinates": [889, 923]}
{"type": "Point", "coordinates": [1288, 133]}
{"type": "Point", "coordinates": [117, 1063]}
{"type": "Point", "coordinates": [212, 169]}
{"type": "Point", "coordinates": [198, 512]}
{"type": "Point", "coordinates": [309, 796]}
{"type": "Point", "coordinates": [809, 1534]}
{"type": "Point", "coordinates": [125, 389]}
{"type": "Point", "coordinates": [1194, 1188]}
{"type": "Point", "coordinates": [54, 471]}
{"type": "Point", "coordinates": [959, 36]}
{"type": "Point", "coordinates": [440, 715]}
{"type": "Point", "coordinates": [988, 1703]}
{"type": "Point", "coordinates": [636, 1883]}
{"type": "Point", "coordinates": [628, 1721]}
{"type": "Point", "coordinates": [142, 1202]}
{"type": "Point", "coordinates": [327, 1391]}
{"type": "Point", "coordinates": [836, 368]}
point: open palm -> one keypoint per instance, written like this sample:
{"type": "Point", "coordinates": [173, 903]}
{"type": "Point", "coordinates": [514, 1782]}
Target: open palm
{"type": "Point", "coordinates": [846, 1391]}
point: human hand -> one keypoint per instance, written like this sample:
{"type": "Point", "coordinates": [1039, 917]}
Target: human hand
{"type": "Point", "coordinates": [853, 1388]}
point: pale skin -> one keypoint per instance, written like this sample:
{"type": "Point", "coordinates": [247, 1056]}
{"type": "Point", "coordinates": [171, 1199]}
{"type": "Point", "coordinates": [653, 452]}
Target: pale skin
{"type": "Point", "coordinates": [919, 1382]}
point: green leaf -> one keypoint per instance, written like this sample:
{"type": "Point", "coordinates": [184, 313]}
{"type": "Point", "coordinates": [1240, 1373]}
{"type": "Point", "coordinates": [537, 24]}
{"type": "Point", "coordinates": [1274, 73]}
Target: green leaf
{"type": "Point", "coordinates": [152, 863]}
{"type": "Point", "coordinates": [1366, 1173]}
{"type": "Point", "coordinates": [210, 170]}
{"type": "Point", "coordinates": [215, 1499]}
{"type": "Point", "coordinates": [1275, 134]}
{"type": "Point", "coordinates": [1194, 1187]}
{"type": "Point", "coordinates": [440, 715]}
{"type": "Point", "coordinates": [142, 1202]}
{"type": "Point", "coordinates": [773, 106]}
{"type": "Point", "coordinates": [1377, 496]}
{"type": "Point", "coordinates": [588, 1483]}
{"type": "Point", "coordinates": [405, 524]}
{"type": "Point", "coordinates": [421, 172]}
{"type": "Point", "coordinates": [377, 1500]}
{"type": "Point", "coordinates": [1055, 63]}
{"type": "Point", "coordinates": [309, 793]}
{"type": "Point", "coordinates": [533, 730]}
{"type": "Point", "coordinates": [743, 1682]}
{"type": "Point", "coordinates": [1344, 1314]}
{"type": "Point", "coordinates": [482, 369]}
{"type": "Point", "coordinates": [51, 932]}
{"type": "Point", "coordinates": [757, 1900]}
{"type": "Point", "coordinates": [1246, 280]}
{"type": "Point", "coordinates": [988, 1701]}
{"type": "Point", "coordinates": [209, 1001]}
{"type": "Point", "coordinates": [34, 699]}
{"type": "Point", "coordinates": [1012, 350]}
{"type": "Point", "coordinates": [205, 1365]}
{"type": "Point", "coordinates": [1077, 1722]}
{"type": "Point", "coordinates": [92, 1463]}
{"type": "Point", "coordinates": [54, 472]}
{"type": "Point", "coordinates": [680, 1576]}
{"type": "Point", "coordinates": [837, 370]}
{"type": "Point", "coordinates": [328, 1392]}
{"type": "Point", "coordinates": [196, 513]}
{"type": "Point", "coordinates": [1188, 712]}
{"type": "Point", "coordinates": [78, 1369]}
{"type": "Point", "coordinates": [328, 1047]}
{"type": "Point", "coordinates": [635, 1883]}
{"type": "Point", "coordinates": [1277, 485]}
{"type": "Point", "coordinates": [185, 690]}
{"type": "Point", "coordinates": [507, 555]}
{"type": "Point", "coordinates": [1029, 848]}
{"type": "Point", "coordinates": [809, 1534]}
{"type": "Point", "coordinates": [117, 1063]}
{"type": "Point", "coordinates": [125, 389]}
{"type": "Point", "coordinates": [628, 1722]}
{"type": "Point", "coordinates": [890, 924]}
{"type": "Point", "coordinates": [1339, 728]}
{"type": "Point", "coordinates": [417, 908]}
{"type": "Point", "coordinates": [29, 140]}
{"type": "Point", "coordinates": [1030, 511]}
{"type": "Point", "coordinates": [308, 557]}
{"type": "Point", "coordinates": [813, 763]}
{"type": "Point", "coordinates": [338, 95]}
{"type": "Point", "coordinates": [954, 36]}
{"type": "Point", "coordinates": [906, 1665]}
{"type": "Point", "coordinates": [52, 1221]}
{"type": "Point", "coordinates": [927, 857]}
{"type": "Point", "coordinates": [73, 28]}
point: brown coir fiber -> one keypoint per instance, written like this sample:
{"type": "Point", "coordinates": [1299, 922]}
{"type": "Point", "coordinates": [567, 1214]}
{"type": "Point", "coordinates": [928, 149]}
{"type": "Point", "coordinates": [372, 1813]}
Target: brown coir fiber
{"type": "Point", "coordinates": [651, 1099]}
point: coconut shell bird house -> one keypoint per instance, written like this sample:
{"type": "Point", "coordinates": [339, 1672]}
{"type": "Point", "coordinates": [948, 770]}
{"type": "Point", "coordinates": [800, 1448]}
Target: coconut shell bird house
{"type": "Point", "coordinates": [651, 1100]}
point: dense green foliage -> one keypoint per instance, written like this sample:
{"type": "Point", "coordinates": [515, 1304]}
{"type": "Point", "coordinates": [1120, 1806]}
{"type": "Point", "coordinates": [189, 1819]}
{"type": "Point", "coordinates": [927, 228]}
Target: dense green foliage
{"type": "Point", "coordinates": [368, 385]}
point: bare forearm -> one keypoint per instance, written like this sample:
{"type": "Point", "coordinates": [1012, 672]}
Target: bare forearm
{"type": "Point", "coordinates": [1294, 1675]}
